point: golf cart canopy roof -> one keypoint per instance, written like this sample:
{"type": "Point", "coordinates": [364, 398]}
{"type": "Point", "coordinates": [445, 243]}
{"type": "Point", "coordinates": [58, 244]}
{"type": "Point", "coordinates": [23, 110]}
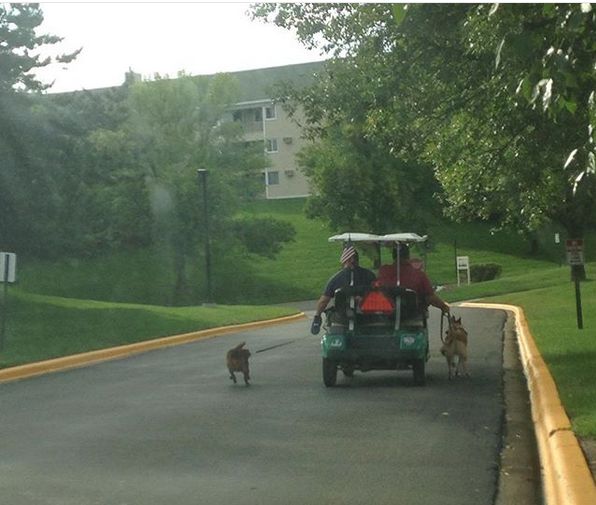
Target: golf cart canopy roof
{"type": "Point", "coordinates": [355, 237]}
{"type": "Point", "coordinates": [378, 239]}
{"type": "Point", "coordinates": [403, 237]}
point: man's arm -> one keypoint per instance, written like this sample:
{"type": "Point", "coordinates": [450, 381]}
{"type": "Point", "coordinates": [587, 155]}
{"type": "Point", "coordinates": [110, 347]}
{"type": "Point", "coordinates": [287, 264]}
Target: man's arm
{"type": "Point", "coordinates": [436, 301]}
{"type": "Point", "coordinates": [317, 321]}
{"type": "Point", "coordinates": [322, 304]}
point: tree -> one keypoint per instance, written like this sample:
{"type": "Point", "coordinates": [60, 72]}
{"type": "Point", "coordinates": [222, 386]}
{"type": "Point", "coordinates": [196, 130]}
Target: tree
{"type": "Point", "coordinates": [178, 126]}
{"type": "Point", "coordinates": [18, 24]}
{"type": "Point", "coordinates": [363, 178]}
{"type": "Point", "coordinates": [29, 198]}
{"type": "Point", "coordinates": [499, 101]}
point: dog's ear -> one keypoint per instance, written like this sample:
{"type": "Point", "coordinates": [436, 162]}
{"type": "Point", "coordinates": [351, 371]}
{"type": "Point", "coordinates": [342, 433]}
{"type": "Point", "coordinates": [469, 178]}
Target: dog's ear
{"type": "Point", "coordinates": [458, 320]}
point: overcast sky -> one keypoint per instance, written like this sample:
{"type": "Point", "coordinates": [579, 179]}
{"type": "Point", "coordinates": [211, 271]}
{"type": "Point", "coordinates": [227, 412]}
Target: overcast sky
{"type": "Point", "coordinates": [164, 38]}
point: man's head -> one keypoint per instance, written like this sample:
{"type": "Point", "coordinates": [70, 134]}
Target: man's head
{"type": "Point", "coordinates": [349, 256]}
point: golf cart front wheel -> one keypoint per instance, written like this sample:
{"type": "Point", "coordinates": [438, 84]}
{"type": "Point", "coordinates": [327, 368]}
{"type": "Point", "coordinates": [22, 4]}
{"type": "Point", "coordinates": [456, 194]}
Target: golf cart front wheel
{"type": "Point", "coordinates": [329, 372]}
{"type": "Point", "coordinates": [418, 367]}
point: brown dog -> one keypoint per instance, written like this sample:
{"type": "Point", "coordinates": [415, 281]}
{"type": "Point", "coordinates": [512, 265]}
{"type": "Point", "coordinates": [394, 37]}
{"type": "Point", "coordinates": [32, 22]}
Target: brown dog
{"type": "Point", "coordinates": [237, 361]}
{"type": "Point", "coordinates": [456, 344]}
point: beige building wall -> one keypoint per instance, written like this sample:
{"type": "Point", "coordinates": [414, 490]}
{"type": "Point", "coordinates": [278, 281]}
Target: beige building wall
{"type": "Point", "coordinates": [263, 120]}
{"type": "Point", "coordinates": [282, 142]}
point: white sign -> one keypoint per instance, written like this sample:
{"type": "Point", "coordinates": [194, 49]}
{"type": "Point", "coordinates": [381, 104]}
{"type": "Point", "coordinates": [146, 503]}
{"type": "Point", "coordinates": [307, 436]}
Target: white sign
{"type": "Point", "coordinates": [8, 267]}
{"type": "Point", "coordinates": [463, 263]}
{"type": "Point", "coordinates": [575, 251]}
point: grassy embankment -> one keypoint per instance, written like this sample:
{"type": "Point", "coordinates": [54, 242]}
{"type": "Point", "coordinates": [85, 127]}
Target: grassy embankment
{"type": "Point", "coordinates": [42, 326]}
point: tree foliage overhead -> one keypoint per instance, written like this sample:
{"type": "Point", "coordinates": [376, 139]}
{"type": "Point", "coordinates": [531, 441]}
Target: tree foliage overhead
{"type": "Point", "coordinates": [497, 99]}
{"type": "Point", "coordinates": [20, 45]}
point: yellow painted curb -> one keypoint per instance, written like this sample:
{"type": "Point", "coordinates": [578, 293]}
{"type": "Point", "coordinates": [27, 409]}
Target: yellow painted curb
{"type": "Point", "coordinates": [567, 479]}
{"type": "Point", "coordinates": [92, 357]}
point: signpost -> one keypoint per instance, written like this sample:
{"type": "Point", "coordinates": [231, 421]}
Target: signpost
{"type": "Point", "coordinates": [575, 258]}
{"type": "Point", "coordinates": [8, 273]}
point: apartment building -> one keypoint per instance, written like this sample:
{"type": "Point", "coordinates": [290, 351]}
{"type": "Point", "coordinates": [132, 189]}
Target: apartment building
{"type": "Point", "coordinates": [265, 121]}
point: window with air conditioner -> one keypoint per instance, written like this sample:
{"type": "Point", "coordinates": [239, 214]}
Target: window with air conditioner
{"type": "Point", "coordinates": [272, 178]}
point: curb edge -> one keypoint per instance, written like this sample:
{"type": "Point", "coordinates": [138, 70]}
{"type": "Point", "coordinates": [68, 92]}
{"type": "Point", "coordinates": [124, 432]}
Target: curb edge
{"type": "Point", "coordinates": [566, 476]}
{"type": "Point", "coordinates": [98, 356]}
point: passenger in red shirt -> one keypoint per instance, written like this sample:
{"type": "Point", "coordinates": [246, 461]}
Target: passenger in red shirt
{"type": "Point", "coordinates": [410, 278]}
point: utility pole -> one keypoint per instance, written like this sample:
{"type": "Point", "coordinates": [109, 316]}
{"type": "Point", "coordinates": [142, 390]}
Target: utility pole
{"type": "Point", "coordinates": [202, 176]}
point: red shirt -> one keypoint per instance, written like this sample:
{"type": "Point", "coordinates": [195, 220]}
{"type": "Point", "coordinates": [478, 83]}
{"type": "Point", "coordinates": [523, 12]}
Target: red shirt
{"type": "Point", "coordinates": [410, 278]}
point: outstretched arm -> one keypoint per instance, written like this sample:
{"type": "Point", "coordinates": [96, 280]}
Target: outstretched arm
{"type": "Point", "coordinates": [317, 321]}
{"type": "Point", "coordinates": [322, 304]}
{"type": "Point", "coordinates": [436, 301]}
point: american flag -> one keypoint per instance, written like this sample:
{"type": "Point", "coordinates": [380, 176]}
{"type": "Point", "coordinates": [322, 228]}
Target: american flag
{"type": "Point", "coordinates": [347, 253]}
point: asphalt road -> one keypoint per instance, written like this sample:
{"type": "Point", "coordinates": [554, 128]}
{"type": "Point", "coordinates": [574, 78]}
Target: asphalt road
{"type": "Point", "coordinates": [168, 426]}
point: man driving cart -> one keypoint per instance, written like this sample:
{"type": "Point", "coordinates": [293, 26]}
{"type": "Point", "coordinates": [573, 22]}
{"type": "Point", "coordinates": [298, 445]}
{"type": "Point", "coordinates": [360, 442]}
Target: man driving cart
{"type": "Point", "coordinates": [351, 274]}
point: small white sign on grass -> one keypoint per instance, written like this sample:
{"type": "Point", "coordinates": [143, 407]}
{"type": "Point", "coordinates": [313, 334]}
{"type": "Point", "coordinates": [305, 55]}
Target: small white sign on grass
{"type": "Point", "coordinates": [8, 267]}
{"type": "Point", "coordinates": [463, 263]}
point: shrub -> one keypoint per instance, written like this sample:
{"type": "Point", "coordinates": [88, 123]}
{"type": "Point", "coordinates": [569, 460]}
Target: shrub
{"type": "Point", "coordinates": [484, 272]}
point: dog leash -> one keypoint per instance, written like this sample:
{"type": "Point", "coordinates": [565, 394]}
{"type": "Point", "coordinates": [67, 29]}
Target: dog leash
{"type": "Point", "coordinates": [275, 346]}
{"type": "Point", "coordinates": [443, 316]}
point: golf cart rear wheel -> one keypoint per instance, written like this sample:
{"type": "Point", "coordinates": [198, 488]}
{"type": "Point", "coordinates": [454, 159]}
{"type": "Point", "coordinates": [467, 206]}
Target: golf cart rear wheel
{"type": "Point", "coordinates": [418, 367]}
{"type": "Point", "coordinates": [329, 372]}
{"type": "Point", "coordinates": [348, 372]}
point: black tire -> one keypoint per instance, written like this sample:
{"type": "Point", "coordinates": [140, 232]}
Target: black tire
{"type": "Point", "coordinates": [418, 367]}
{"type": "Point", "coordinates": [329, 373]}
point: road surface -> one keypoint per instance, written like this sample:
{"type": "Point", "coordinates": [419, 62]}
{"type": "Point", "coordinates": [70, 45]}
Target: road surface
{"type": "Point", "coordinates": [169, 427]}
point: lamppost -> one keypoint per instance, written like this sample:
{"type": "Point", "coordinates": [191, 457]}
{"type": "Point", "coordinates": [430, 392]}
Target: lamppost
{"type": "Point", "coordinates": [202, 176]}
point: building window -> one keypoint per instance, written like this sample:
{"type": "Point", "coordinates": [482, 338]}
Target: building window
{"type": "Point", "coordinates": [271, 145]}
{"type": "Point", "coordinates": [272, 178]}
{"type": "Point", "coordinates": [270, 112]}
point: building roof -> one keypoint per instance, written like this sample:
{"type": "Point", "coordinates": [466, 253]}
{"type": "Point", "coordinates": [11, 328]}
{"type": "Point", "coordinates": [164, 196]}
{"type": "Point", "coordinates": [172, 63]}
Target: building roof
{"type": "Point", "coordinates": [253, 85]}
{"type": "Point", "coordinates": [258, 84]}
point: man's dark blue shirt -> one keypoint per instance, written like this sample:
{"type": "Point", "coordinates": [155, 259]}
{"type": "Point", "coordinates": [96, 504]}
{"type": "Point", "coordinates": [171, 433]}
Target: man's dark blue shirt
{"type": "Point", "coordinates": [362, 277]}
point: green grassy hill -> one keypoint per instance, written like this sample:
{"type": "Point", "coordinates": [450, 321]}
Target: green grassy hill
{"type": "Point", "coordinates": [298, 273]}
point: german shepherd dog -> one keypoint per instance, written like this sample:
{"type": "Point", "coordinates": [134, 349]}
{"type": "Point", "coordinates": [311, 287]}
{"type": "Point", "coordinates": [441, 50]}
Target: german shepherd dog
{"type": "Point", "coordinates": [237, 361]}
{"type": "Point", "coordinates": [456, 344]}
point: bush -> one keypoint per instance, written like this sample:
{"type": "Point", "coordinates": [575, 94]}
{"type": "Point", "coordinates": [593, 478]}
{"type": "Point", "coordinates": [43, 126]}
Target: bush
{"type": "Point", "coordinates": [484, 272]}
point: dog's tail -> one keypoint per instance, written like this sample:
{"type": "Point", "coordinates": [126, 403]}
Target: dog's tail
{"type": "Point", "coordinates": [239, 346]}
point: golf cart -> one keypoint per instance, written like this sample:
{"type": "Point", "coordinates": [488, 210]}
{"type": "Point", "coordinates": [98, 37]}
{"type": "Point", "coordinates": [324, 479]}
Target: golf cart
{"type": "Point", "coordinates": [375, 327]}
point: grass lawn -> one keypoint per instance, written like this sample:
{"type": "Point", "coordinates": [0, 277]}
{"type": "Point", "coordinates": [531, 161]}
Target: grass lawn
{"type": "Point", "coordinates": [569, 353]}
{"type": "Point", "coordinates": [548, 300]}
{"type": "Point", "coordinates": [41, 327]}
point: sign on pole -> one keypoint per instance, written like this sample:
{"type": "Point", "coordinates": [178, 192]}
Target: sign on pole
{"type": "Point", "coordinates": [575, 258]}
{"type": "Point", "coordinates": [463, 263]}
{"type": "Point", "coordinates": [8, 267]}
{"type": "Point", "coordinates": [8, 273]}
{"type": "Point", "coordinates": [575, 251]}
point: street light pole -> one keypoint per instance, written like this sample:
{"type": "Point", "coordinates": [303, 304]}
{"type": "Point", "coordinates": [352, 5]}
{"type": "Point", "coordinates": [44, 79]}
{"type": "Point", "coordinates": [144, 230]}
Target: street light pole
{"type": "Point", "coordinates": [202, 175]}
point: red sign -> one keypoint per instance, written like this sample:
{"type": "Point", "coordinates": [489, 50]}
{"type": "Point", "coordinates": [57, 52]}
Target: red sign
{"type": "Point", "coordinates": [575, 251]}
